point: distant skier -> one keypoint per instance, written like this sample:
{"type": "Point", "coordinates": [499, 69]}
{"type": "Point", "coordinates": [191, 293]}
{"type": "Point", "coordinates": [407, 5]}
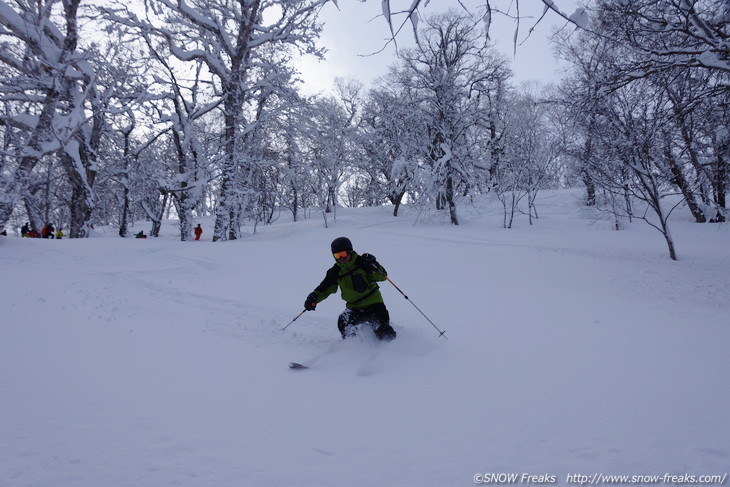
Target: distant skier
{"type": "Point", "coordinates": [198, 232]}
{"type": "Point", "coordinates": [356, 276]}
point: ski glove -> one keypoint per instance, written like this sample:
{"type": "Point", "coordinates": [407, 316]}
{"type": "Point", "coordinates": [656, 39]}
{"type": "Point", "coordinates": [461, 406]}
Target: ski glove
{"type": "Point", "coordinates": [369, 261]}
{"type": "Point", "coordinates": [311, 303]}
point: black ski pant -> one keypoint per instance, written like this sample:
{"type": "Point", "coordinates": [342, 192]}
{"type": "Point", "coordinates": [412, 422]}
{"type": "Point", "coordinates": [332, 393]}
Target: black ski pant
{"type": "Point", "coordinates": [376, 316]}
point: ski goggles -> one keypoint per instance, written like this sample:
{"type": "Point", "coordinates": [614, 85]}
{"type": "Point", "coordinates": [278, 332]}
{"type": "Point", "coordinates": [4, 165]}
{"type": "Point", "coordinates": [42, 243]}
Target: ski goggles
{"type": "Point", "coordinates": [342, 254]}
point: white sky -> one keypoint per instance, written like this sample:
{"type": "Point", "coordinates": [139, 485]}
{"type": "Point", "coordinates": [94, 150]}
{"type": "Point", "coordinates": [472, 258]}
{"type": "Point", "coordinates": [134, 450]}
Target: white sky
{"type": "Point", "coordinates": [358, 29]}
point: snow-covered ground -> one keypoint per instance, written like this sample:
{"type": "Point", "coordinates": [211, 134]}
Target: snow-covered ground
{"type": "Point", "coordinates": [572, 349]}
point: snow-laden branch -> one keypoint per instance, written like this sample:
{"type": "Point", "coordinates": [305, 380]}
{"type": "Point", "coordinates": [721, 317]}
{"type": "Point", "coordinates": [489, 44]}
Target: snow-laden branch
{"type": "Point", "coordinates": [46, 43]}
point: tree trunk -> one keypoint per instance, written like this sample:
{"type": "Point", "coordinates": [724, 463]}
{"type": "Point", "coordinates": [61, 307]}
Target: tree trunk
{"type": "Point", "coordinates": [123, 222]}
{"type": "Point", "coordinates": [719, 182]}
{"type": "Point", "coordinates": [157, 219]}
{"type": "Point", "coordinates": [77, 165]}
{"type": "Point", "coordinates": [670, 241]}
{"type": "Point", "coordinates": [590, 188]}
{"type": "Point", "coordinates": [397, 200]}
{"type": "Point", "coordinates": [681, 182]}
{"type": "Point", "coordinates": [450, 199]}
{"type": "Point", "coordinates": [225, 227]}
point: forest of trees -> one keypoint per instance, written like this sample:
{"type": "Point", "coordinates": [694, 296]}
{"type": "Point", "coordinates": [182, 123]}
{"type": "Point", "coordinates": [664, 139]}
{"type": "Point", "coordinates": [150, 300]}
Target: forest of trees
{"type": "Point", "coordinates": [114, 112]}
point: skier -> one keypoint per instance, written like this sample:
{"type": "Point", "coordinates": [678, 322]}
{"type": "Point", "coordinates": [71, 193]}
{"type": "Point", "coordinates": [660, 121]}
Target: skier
{"type": "Point", "coordinates": [198, 232]}
{"type": "Point", "coordinates": [356, 276]}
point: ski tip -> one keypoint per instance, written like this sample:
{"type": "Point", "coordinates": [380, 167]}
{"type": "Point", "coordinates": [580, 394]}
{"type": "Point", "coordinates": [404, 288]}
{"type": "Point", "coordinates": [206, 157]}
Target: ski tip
{"type": "Point", "coordinates": [295, 365]}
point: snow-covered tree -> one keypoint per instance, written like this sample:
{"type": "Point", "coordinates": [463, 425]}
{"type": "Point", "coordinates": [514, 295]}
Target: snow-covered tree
{"type": "Point", "coordinates": [665, 36]}
{"type": "Point", "coordinates": [648, 94]}
{"type": "Point", "coordinates": [330, 140]}
{"type": "Point", "coordinates": [679, 46]}
{"type": "Point", "coordinates": [288, 139]}
{"type": "Point", "coordinates": [452, 69]}
{"type": "Point", "coordinates": [48, 82]}
{"type": "Point", "coordinates": [529, 154]}
{"type": "Point", "coordinates": [231, 38]}
{"type": "Point", "coordinates": [64, 92]}
{"type": "Point", "coordinates": [394, 136]}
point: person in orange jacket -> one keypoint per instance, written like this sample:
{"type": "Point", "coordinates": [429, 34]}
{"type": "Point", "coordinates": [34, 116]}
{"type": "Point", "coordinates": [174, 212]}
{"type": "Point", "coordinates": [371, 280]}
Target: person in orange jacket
{"type": "Point", "coordinates": [198, 232]}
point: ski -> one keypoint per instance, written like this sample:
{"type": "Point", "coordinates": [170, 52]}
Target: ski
{"type": "Point", "coordinates": [295, 365]}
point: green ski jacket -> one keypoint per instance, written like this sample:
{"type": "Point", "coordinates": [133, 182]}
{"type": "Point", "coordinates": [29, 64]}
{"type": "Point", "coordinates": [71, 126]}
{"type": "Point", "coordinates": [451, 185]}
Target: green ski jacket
{"type": "Point", "coordinates": [358, 283]}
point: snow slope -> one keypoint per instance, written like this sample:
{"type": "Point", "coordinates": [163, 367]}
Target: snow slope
{"type": "Point", "coordinates": [571, 349]}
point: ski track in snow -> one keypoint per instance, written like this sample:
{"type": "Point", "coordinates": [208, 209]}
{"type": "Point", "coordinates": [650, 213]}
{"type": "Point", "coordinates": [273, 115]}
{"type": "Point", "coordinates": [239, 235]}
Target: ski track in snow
{"type": "Point", "coordinates": [571, 349]}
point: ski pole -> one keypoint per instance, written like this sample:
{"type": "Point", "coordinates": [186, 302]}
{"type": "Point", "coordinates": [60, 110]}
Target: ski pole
{"type": "Point", "coordinates": [295, 319]}
{"type": "Point", "coordinates": [441, 333]}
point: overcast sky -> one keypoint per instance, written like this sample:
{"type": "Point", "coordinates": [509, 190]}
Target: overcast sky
{"type": "Point", "coordinates": [357, 29]}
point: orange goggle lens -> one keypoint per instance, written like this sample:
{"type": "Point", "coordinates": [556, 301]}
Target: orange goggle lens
{"type": "Point", "coordinates": [341, 255]}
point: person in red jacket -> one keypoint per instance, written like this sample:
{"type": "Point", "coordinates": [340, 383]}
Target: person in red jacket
{"type": "Point", "coordinates": [198, 232]}
{"type": "Point", "coordinates": [48, 231]}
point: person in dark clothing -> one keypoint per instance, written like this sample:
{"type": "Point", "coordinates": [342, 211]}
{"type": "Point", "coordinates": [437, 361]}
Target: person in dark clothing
{"type": "Point", "coordinates": [357, 277]}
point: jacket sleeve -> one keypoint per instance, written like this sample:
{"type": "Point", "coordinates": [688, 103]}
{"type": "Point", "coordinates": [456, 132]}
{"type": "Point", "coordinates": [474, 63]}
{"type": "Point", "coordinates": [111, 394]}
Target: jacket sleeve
{"type": "Point", "coordinates": [380, 274]}
{"type": "Point", "coordinates": [328, 285]}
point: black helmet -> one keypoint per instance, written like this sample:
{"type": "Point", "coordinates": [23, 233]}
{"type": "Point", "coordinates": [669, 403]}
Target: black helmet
{"type": "Point", "coordinates": [341, 243]}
